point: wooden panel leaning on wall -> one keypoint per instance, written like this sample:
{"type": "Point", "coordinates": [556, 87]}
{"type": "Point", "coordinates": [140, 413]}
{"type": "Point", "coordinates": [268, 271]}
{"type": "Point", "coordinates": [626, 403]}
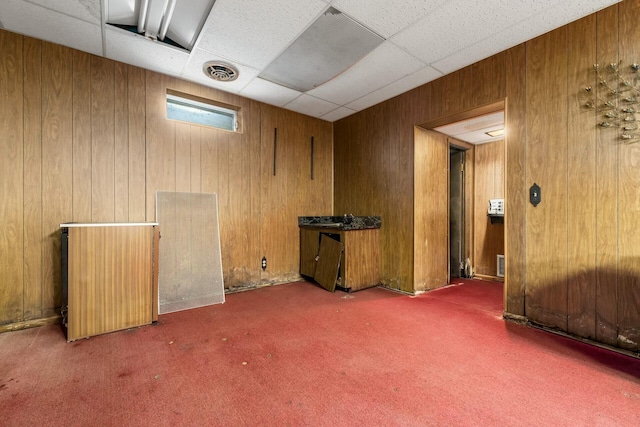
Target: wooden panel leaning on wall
{"type": "Point", "coordinates": [110, 279]}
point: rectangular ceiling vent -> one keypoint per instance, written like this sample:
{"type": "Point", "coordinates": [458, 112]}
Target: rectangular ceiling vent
{"type": "Point", "coordinates": [168, 21]}
{"type": "Point", "coordinates": [331, 45]}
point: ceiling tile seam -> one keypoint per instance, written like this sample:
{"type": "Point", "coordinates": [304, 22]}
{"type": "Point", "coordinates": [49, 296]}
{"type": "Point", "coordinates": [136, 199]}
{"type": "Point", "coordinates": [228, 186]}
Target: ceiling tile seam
{"type": "Point", "coordinates": [530, 17]}
{"type": "Point", "coordinates": [407, 52]}
{"type": "Point", "coordinates": [217, 55]}
{"type": "Point", "coordinates": [363, 25]}
{"type": "Point", "coordinates": [314, 97]}
{"type": "Point", "coordinates": [414, 23]}
{"type": "Point", "coordinates": [335, 109]}
{"type": "Point", "coordinates": [519, 23]}
{"type": "Point", "coordinates": [38, 5]}
{"type": "Point", "coordinates": [103, 26]}
{"type": "Point", "coordinates": [390, 83]}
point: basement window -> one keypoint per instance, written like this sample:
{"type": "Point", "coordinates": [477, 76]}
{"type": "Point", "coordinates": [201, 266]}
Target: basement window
{"type": "Point", "coordinates": [201, 111]}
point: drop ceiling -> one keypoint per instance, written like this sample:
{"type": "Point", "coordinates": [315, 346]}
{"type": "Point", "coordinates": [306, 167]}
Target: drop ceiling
{"type": "Point", "coordinates": [423, 40]}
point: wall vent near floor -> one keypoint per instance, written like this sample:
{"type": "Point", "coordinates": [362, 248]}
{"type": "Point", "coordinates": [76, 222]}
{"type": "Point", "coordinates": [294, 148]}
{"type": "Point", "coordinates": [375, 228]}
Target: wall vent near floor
{"type": "Point", "coordinates": [500, 268]}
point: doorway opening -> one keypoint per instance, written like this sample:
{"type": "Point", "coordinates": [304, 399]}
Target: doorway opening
{"type": "Point", "coordinates": [456, 213]}
{"type": "Point", "coordinates": [475, 184]}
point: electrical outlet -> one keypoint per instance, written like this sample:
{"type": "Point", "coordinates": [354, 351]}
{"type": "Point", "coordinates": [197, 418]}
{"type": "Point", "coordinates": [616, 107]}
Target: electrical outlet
{"type": "Point", "coordinates": [264, 263]}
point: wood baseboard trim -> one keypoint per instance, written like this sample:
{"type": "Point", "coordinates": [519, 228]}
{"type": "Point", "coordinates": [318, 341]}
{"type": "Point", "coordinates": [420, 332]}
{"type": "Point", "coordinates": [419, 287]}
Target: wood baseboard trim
{"type": "Point", "coordinates": [35, 323]}
{"type": "Point", "coordinates": [516, 318]}
{"type": "Point", "coordinates": [525, 321]}
{"type": "Point", "coordinates": [487, 277]}
{"type": "Point", "coordinates": [585, 340]}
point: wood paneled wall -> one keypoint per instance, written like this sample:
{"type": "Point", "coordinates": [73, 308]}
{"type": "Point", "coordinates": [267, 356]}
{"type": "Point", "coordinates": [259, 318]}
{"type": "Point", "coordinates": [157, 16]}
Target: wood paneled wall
{"type": "Point", "coordinates": [86, 139]}
{"type": "Point", "coordinates": [374, 156]}
{"type": "Point", "coordinates": [488, 183]}
{"type": "Point", "coordinates": [572, 262]}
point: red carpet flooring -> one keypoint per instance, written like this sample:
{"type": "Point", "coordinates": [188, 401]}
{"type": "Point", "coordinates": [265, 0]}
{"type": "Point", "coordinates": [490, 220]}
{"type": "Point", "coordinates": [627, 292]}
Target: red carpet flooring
{"type": "Point", "coordinates": [296, 355]}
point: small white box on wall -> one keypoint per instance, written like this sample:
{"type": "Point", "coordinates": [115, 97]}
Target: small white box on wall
{"type": "Point", "coordinates": [500, 266]}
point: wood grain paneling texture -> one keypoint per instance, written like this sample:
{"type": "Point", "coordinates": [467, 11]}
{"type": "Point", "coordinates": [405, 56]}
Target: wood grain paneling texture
{"type": "Point", "coordinates": [515, 194]}
{"type": "Point", "coordinates": [290, 192]}
{"type": "Point", "coordinates": [488, 182]}
{"type": "Point", "coordinates": [87, 139]}
{"type": "Point", "coordinates": [110, 279]}
{"type": "Point", "coordinates": [11, 184]}
{"type": "Point", "coordinates": [582, 170]}
{"type": "Point", "coordinates": [431, 228]}
{"type": "Point", "coordinates": [32, 287]}
{"type": "Point", "coordinates": [571, 262]}
{"type": "Point", "coordinates": [57, 171]}
{"type": "Point", "coordinates": [629, 201]}
{"type": "Point", "coordinates": [546, 235]}
{"type": "Point", "coordinates": [607, 196]}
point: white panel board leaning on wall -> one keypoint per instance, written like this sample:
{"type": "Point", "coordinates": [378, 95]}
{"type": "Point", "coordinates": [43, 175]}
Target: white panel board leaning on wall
{"type": "Point", "coordinates": [190, 273]}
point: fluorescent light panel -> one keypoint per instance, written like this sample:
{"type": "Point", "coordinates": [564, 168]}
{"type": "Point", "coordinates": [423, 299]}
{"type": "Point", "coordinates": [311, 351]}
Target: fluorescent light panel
{"type": "Point", "coordinates": [332, 44]}
{"type": "Point", "coordinates": [163, 20]}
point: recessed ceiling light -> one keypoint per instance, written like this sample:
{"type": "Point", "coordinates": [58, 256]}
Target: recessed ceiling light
{"type": "Point", "coordinates": [494, 133]}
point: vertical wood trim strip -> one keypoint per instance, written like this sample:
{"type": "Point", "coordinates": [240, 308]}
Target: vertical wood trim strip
{"type": "Point", "coordinates": [275, 149]}
{"type": "Point", "coordinates": [312, 155]}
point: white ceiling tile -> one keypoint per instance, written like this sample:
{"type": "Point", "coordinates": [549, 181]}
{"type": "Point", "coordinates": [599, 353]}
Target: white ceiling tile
{"type": "Point", "coordinates": [254, 33]}
{"type": "Point", "coordinates": [383, 66]}
{"type": "Point", "coordinates": [136, 50]}
{"type": "Point", "coordinates": [528, 29]}
{"type": "Point", "coordinates": [337, 114]}
{"type": "Point", "coordinates": [268, 92]}
{"type": "Point", "coordinates": [461, 23]}
{"type": "Point", "coordinates": [409, 82]}
{"type": "Point", "coordinates": [386, 17]}
{"type": "Point", "coordinates": [87, 10]}
{"type": "Point", "coordinates": [474, 53]}
{"type": "Point", "coordinates": [311, 106]}
{"type": "Point", "coordinates": [35, 21]}
{"type": "Point", "coordinates": [193, 72]}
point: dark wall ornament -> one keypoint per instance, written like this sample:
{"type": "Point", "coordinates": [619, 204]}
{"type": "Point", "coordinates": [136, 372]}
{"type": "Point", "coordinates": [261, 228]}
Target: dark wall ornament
{"type": "Point", "coordinates": [535, 194]}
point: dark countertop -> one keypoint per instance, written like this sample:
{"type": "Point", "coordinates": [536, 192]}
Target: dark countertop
{"type": "Point", "coordinates": [345, 222]}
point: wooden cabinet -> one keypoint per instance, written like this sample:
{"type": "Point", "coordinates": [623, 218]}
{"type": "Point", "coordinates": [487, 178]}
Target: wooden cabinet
{"type": "Point", "coordinates": [109, 277]}
{"type": "Point", "coordinates": [359, 266]}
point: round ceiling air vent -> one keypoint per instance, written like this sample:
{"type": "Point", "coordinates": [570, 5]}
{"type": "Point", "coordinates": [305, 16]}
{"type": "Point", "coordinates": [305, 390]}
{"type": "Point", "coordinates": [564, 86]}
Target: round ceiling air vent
{"type": "Point", "coordinates": [220, 71]}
